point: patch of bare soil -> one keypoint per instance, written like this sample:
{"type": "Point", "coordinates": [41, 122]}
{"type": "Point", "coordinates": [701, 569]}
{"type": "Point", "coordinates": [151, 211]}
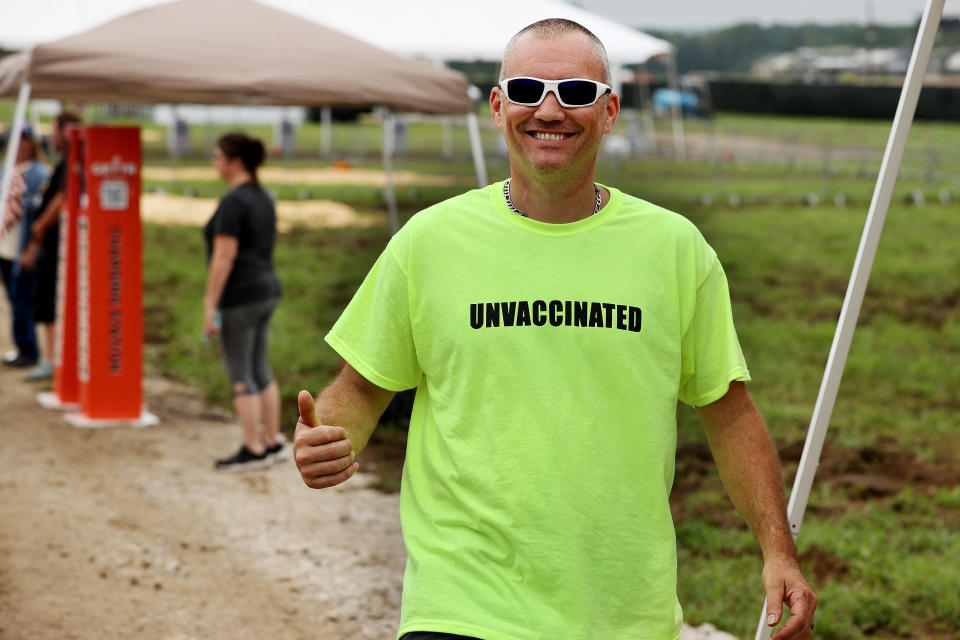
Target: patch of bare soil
{"type": "Point", "coordinates": [312, 176]}
{"type": "Point", "coordinates": [822, 565]}
{"type": "Point", "coordinates": [881, 469]}
{"type": "Point", "coordinates": [319, 214]}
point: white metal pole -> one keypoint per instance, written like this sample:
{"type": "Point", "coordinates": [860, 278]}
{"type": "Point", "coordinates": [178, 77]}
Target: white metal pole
{"type": "Point", "coordinates": [326, 131]}
{"type": "Point", "coordinates": [446, 137]}
{"type": "Point", "coordinates": [13, 144]}
{"type": "Point", "coordinates": [679, 139]}
{"type": "Point", "coordinates": [646, 112]}
{"type": "Point", "coordinates": [861, 274]}
{"type": "Point", "coordinates": [476, 146]}
{"type": "Point", "coordinates": [389, 122]}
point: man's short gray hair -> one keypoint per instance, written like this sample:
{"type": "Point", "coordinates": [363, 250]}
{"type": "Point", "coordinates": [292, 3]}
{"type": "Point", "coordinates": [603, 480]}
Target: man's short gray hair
{"type": "Point", "coordinates": [553, 28]}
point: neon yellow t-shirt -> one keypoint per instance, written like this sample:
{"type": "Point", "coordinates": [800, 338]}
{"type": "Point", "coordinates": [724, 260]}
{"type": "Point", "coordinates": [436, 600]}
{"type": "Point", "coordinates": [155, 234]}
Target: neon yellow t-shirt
{"type": "Point", "coordinates": [549, 360]}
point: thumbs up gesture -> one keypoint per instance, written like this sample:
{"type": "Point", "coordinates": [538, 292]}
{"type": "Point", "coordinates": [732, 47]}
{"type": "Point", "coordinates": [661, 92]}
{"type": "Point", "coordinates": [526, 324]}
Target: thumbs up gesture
{"type": "Point", "coordinates": [323, 453]}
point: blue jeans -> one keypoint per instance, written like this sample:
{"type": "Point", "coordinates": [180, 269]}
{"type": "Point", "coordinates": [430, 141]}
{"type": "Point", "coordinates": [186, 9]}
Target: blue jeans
{"type": "Point", "coordinates": [21, 288]}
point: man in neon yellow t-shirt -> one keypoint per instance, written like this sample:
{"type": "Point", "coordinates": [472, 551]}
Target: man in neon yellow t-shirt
{"type": "Point", "coordinates": [550, 326]}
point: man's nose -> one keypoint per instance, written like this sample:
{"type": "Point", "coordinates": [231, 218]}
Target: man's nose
{"type": "Point", "coordinates": [550, 109]}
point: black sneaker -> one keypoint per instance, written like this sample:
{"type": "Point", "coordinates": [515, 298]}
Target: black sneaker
{"type": "Point", "coordinates": [244, 460]}
{"type": "Point", "coordinates": [276, 451]}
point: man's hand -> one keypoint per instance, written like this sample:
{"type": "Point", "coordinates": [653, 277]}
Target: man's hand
{"type": "Point", "coordinates": [28, 259]}
{"type": "Point", "coordinates": [785, 584]}
{"type": "Point", "coordinates": [323, 453]}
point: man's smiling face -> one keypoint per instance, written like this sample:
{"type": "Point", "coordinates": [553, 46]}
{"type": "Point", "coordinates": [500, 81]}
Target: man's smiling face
{"type": "Point", "coordinates": [548, 141]}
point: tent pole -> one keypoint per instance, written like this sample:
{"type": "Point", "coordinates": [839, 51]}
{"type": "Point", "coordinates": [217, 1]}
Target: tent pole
{"type": "Point", "coordinates": [13, 143]}
{"type": "Point", "coordinates": [645, 111]}
{"type": "Point", "coordinates": [326, 131]}
{"type": "Point", "coordinates": [872, 231]}
{"type": "Point", "coordinates": [390, 191]}
{"type": "Point", "coordinates": [446, 138]}
{"type": "Point", "coordinates": [679, 140]}
{"type": "Point", "coordinates": [476, 145]}
{"type": "Point", "coordinates": [35, 116]}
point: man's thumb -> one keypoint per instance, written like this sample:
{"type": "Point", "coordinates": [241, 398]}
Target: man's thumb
{"type": "Point", "coordinates": [774, 608]}
{"type": "Point", "coordinates": [308, 410]}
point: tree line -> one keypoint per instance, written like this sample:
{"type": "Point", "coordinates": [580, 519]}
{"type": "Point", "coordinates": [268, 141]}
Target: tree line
{"type": "Point", "coordinates": [735, 49]}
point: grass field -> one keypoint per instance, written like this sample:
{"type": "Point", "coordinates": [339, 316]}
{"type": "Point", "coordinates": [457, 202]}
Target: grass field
{"type": "Point", "coordinates": [879, 541]}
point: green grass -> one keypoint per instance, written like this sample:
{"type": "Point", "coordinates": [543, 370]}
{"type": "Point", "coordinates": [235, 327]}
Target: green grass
{"type": "Point", "coordinates": [879, 540]}
{"type": "Point", "coordinates": [319, 270]}
{"type": "Point", "coordinates": [788, 272]}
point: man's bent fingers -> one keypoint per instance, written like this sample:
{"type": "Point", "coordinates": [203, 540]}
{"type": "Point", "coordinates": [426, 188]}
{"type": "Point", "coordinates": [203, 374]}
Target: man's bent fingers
{"type": "Point", "coordinates": [802, 606]}
{"type": "Point", "coordinates": [323, 482]}
{"type": "Point", "coordinates": [317, 435]}
{"type": "Point", "coordinates": [308, 409]}
{"type": "Point", "coordinates": [326, 467]}
{"type": "Point", "coordinates": [306, 455]}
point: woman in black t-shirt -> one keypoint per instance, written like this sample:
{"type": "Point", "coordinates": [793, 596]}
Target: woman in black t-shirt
{"type": "Point", "coordinates": [242, 292]}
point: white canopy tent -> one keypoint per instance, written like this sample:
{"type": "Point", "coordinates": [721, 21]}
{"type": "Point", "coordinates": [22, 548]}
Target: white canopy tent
{"type": "Point", "coordinates": [459, 30]}
{"type": "Point", "coordinates": [444, 30]}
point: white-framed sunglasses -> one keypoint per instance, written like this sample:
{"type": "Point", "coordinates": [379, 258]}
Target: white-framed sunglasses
{"type": "Point", "coordinates": [570, 92]}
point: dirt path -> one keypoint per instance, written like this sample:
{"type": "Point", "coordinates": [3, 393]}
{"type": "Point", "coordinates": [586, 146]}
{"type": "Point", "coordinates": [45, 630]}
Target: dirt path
{"type": "Point", "coordinates": [304, 175]}
{"type": "Point", "coordinates": [316, 214]}
{"type": "Point", "coordinates": [128, 533]}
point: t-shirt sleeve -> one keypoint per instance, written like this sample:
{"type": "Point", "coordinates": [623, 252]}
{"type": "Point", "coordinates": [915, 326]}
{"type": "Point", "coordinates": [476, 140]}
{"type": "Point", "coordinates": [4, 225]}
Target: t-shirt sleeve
{"type": "Point", "coordinates": [711, 354]}
{"type": "Point", "coordinates": [374, 333]}
{"type": "Point", "coordinates": [227, 218]}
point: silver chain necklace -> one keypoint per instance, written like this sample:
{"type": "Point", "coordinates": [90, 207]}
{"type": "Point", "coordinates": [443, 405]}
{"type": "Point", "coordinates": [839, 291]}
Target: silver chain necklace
{"type": "Point", "coordinates": [513, 207]}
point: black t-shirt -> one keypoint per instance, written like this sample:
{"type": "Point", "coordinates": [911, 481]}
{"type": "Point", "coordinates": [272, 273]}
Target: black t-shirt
{"type": "Point", "coordinates": [247, 214]}
{"type": "Point", "coordinates": [56, 184]}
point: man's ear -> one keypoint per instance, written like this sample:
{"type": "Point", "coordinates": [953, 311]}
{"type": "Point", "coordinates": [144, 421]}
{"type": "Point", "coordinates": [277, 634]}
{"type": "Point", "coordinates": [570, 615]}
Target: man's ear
{"type": "Point", "coordinates": [496, 107]}
{"type": "Point", "coordinates": [611, 111]}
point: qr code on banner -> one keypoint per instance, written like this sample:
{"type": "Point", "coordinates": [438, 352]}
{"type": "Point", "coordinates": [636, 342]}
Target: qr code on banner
{"type": "Point", "coordinates": [114, 195]}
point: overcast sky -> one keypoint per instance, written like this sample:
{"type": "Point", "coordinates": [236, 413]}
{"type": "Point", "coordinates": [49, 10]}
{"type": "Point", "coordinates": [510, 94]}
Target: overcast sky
{"type": "Point", "coordinates": [700, 14]}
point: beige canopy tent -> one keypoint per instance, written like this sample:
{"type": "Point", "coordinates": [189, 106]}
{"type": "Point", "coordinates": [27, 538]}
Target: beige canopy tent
{"type": "Point", "coordinates": [229, 52]}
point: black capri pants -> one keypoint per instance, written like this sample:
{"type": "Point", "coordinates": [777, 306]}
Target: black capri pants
{"type": "Point", "coordinates": [244, 341]}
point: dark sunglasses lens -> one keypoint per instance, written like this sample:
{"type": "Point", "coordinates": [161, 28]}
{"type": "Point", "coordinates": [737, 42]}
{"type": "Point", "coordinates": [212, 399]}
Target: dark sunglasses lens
{"type": "Point", "coordinates": [524, 90]}
{"type": "Point", "coordinates": [578, 92]}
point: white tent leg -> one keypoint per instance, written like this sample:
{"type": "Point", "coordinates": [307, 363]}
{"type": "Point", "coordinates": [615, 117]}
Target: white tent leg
{"type": "Point", "coordinates": [35, 116]}
{"type": "Point", "coordinates": [861, 274]}
{"type": "Point", "coordinates": [13, 143]}
{"type": "Point", "coordinates": [172, 142]}
{"type": "Point", "coordinates": [446, 137]}
{"type": "Point", "coordinates": [389, 124]}
{"type": "Point", "coordinates": [476, 146]}
{"type": "Point", "coordinates": [644, 109]}
{"type": "Point", "coordinates": [326, 132]}
{"type": "Point", "coordinates": [679, 139]}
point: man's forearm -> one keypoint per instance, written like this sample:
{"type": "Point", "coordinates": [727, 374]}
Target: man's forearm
{"type": "Point", "coordinates": [48, 217]}
{"type": "Point", "coordinates": [749, 468]}
{"type": "Point", "coordinates": [354, 403]}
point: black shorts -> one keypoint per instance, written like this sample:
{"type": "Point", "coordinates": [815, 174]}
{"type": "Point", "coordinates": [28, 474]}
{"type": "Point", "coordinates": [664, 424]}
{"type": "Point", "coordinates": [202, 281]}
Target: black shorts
{"type": "Point", "coordinates": [244, 334]}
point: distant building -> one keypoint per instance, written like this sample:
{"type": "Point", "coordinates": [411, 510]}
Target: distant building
{"type": "Point", "coordinates": [810, 64]}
